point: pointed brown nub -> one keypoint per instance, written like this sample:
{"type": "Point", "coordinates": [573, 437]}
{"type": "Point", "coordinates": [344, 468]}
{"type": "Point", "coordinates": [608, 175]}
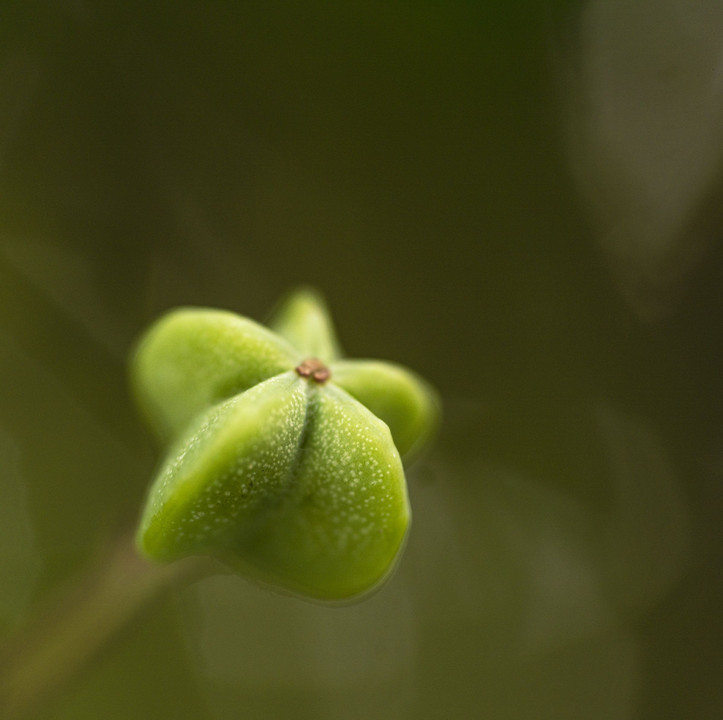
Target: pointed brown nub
{"type": "Point", "coordinates": [315, 369]}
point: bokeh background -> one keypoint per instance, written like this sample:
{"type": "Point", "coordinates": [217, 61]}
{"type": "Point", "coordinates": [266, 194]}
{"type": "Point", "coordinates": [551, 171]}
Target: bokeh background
{"type": "Point", "coordinates": [520, 200]}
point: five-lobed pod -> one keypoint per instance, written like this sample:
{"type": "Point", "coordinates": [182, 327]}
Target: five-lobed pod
{"type": "Point", "coordinates": [284, 459]}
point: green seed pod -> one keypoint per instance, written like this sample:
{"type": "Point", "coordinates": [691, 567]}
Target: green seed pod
{"type": "Point", "coordinates": [274, 468]}
{"type": "Point", "coordinates": [401, 398]}
{"type": "Point", "coordinates": [194, 357]}
{"type": "Point", "coordinates": [303, 319]}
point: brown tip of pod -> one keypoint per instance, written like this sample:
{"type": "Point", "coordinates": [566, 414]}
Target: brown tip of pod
{"type": "Point", "coordinates": [314, 369]}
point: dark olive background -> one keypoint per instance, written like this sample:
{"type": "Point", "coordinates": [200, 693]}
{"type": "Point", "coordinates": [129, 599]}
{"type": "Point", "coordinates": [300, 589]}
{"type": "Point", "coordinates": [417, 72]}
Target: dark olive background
{"type": "Point", "coordinates": [520, 200]}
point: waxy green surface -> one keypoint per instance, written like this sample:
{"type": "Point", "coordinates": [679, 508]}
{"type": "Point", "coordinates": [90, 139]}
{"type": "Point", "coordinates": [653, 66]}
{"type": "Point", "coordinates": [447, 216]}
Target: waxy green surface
{"type": "Point", "coordinates": [283, 459]}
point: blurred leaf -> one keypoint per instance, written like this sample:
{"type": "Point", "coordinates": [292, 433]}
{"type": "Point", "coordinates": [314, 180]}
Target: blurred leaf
{"type": "Point", "coordinates": [646, 136]}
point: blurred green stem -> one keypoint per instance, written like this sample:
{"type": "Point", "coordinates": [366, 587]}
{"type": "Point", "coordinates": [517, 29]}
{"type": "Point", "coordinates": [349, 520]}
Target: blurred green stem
{"type": "Point", "coordinates": [47, 655]}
